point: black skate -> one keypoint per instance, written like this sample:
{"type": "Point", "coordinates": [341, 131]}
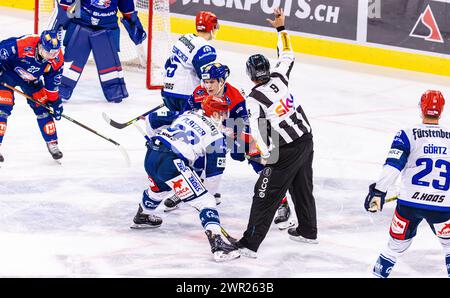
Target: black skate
{"type": "Point", "coordinates": [295, 235]}
{"type": "Point", "coordinates": [217, 196]}
{"type": "Point", "coordinates": [221, 250]}
{"type": "Point", "coordinates": [171, 203]}
{"type": "Point", "coordinates": [1, 158]}
{"type": "Point", "coordinates": [54, 150]}
{"type": "Point", "coordinates": [145, 221]}
{"type": "Point", "coordinates": [282, 220]}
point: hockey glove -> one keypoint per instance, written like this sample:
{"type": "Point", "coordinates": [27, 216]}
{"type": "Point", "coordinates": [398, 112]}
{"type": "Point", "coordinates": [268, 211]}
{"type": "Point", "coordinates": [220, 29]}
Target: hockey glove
{"type": "Point", "coordinates": [134, 28]}
{"type": "Point", "coordinates": [161, 118]}
{"type": "Point", "coordinates": [62, 18]}
{"type": "Point", "coordinates": [374, 200]}
{"type": "Point", "coordinates": [57, 109]}
{"type": "Point", "coordinates": [190, 104]}
{"type": "Point", "coordinates": [238, 156]}
{"type": "Point", "coordinates": [40, 96]}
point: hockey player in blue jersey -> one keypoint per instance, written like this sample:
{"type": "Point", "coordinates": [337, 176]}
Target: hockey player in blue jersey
{"type": "Point", "coordinates": [94, 27]}
{"type": "Point", "coordinates": [421, 154]}
{"type": "Point", "coordinates": [34, 63]}
{"type": "Point", "coordinates": [170, 156]}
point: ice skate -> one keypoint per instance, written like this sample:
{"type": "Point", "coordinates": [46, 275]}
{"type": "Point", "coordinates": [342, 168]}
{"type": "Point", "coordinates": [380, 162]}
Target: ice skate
{"type": "Point", "coordinates": [54, 150]}
{"type": "Point", "coordinates": [1, 158]}
{"type": "Point", "coordinates": [171, 203]}
{"type": "Point", "coordinates": [294, 235]}
{"type": "Point", "coordinates": [244, 251]}
{"type": "Point", "coordinates": [221, 250]}
{"type": "Point", "coordinates": [283, 220]}
{"type": "Point", "coordinates": [145, 221]}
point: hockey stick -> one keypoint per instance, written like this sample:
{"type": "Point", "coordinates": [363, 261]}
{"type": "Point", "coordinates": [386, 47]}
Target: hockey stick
{"type": "Point", "coordinates": [123, 125]}
{"type": "Point", "coordinates": [50, 109]}
{"type": "Point", "coordinates": [375, 205]}
{"type": "Point", "coordinates": [232, 240]}
{"type": "Point", "coordinates": [391, 199]}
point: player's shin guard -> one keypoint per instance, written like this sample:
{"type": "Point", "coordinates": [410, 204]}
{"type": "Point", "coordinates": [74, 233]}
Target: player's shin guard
{"type": "Point", "coordinates": [210, 220]}
{"type": "Point", "coordinates": [47, 127]}
{"type": "Point", "coordinates": [108, 64]}
{"type": "Point", "coordinates": [446, 246]}
{"type": "Point", "coordinates": [149, 203]}
{"type": "Point", "coordinates": [388, 258]}
{"type": "Point", "coordinates": [3, 121]}
{"type": "Point", "coordinates": [383, 266]}
{"type": "Point", "coordinates": [3, 124]}
{"type": "Point", "coordinates": [77, 52]}
{"type": "Point", "coordinates": [447, 264]}
{"type": "Point", "coordinates": [69, 81]}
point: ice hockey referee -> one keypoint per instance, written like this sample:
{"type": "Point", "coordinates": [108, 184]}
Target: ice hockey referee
{"type": "Point", "coordinates": [283, 136]}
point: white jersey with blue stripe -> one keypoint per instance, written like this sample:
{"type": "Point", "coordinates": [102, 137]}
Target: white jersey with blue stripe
{"type": "Point", "coordinates": [183, 68]}
{"type": "Point", "coordinates": [422, 154]}
{"type": "Point", "coordinates": [193, 135]}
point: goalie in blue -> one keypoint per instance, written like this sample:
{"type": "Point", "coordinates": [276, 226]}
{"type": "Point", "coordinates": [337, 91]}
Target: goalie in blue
{"type": "Point", "coordinates": [92, 25]}
{"type": "Point", "coordinates": [421, 154]}
{"type": "Point", "coordinates": [169, 163]}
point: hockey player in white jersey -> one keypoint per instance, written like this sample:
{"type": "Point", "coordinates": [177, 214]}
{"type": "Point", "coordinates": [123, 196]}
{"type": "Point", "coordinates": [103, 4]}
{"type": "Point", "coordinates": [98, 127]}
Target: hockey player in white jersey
{"type": "Point", "coordinates": [184, 66]}
{"type": "Point", "coordinates": [168, 163]}
{"type": "Point", "coordinates": [421, 156]}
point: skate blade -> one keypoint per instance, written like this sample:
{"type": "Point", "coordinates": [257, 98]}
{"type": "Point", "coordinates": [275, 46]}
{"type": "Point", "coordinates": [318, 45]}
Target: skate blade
{"type": "Point", "coordinates": [58, 161]}
{"type": "Point", "coordinates": [220, 256]}
{"type": "Point", "coordinates": [285, 224]}
{"type": "Point", "coordinates": [169, 209]}
{"type": "Point", "coordinates": [303, 239]}
{"type": "Point", "coordinates": [142, 226]}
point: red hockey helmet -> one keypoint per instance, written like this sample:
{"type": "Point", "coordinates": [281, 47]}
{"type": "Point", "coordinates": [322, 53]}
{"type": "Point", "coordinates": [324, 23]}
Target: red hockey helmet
{"type": "Point", "coordinates": [432, 103]}
{"type": "Point", "coordinates": [213, 104]}
{"type": "Point", "coordinates": [206, 21]}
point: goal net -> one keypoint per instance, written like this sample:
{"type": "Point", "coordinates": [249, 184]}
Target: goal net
{"type": "Point", "coordinates": [148, 57]}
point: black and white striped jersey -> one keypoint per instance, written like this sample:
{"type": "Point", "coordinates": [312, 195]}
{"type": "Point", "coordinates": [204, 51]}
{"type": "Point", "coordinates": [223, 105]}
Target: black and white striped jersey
{"type": "Point", "coordinates": [275, 117]}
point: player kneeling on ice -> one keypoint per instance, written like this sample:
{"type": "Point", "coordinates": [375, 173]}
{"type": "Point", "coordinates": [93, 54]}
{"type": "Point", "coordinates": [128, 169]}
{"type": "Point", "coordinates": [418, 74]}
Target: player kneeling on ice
{"type": "Point", "coordinates": [168, 163]}
{"type": "Point", "coordinates": [34, 63]}
{"type": "Point", "coordinates": [421, 154]}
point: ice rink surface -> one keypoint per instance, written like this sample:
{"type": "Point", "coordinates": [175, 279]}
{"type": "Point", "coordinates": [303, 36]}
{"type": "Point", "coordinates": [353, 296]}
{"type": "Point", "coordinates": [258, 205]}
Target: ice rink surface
{"type": "Point", "coordinates": [72, 220]}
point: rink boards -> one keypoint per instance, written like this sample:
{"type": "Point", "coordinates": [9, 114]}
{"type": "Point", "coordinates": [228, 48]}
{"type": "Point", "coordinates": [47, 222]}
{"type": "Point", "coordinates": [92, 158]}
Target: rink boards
{"type": "Point", "coordinates": [409, 35]}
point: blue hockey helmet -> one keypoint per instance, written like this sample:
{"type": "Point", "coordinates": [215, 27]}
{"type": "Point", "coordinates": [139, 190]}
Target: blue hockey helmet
{"type": "Point", "coordinates": [258, 68]}
{"type": "Point", "coordinates": [50, 43]}
{"type": "Point", "coordinates": [215, 71]}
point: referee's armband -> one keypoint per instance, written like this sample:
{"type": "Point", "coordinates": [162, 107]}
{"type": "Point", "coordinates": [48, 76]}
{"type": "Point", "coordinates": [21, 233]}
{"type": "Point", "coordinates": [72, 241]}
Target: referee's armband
{"type": "Point", "coordinates": [285, 41]}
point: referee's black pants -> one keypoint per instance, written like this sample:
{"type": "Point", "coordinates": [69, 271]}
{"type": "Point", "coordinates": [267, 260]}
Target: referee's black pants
{"type": "Point", "coordinates": [293, 172]}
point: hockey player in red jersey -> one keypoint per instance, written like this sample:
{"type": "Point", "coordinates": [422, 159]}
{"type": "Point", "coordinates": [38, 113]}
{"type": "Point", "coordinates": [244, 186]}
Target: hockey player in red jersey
{"type": "Point", "coordinates": [24, 61]}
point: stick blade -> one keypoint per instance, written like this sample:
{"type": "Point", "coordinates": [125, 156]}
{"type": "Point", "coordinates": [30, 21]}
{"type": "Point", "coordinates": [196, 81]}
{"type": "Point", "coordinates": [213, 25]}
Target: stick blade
{"type": "Point", "coordinates": [112, 122]}
{"type": "Point", "coordinates": [106, 117]}
{"type": "Point", "coordinates": [125, 155]}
